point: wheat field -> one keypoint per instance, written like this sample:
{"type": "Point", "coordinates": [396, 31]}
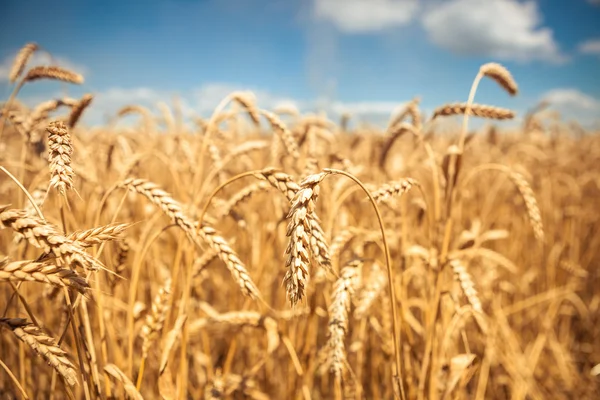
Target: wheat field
{"type": "Point", "coordinates": [269, 254]}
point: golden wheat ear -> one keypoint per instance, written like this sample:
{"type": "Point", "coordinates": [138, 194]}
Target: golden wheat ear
{"type": "Point", "coordinates": [21, 60]}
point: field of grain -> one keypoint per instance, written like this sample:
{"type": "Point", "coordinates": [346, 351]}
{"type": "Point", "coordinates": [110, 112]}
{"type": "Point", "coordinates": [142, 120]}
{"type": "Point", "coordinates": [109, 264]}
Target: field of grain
{"type": "Point", "coordinates": [268, 254]}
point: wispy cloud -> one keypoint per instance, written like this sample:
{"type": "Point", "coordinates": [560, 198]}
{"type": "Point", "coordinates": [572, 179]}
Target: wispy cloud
{"type": "Point", "coordinates": [360, 16]}
{"type": "Point", "coordinates": [41, 58]}
{"type": "Point", "coordinates": [574, 104]}
{"type": "Point", "coordinates": [591, 46]}
{"type": "Point", "coordinates": [505, 29]}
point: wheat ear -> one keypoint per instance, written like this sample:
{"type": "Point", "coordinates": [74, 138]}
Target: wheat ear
{"type": "Point", "coordinates": [42, 344]}
{"type": "Point", "coordinates": [478, 110]}
{"type": "Point", "coordinates": [60, 150]}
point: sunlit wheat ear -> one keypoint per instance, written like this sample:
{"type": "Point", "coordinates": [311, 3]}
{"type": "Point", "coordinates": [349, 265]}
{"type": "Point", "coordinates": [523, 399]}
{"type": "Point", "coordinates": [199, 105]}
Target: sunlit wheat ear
{"type": "Point", "coordinates": [60, 150]}
{"type": "Point", "coordinates": [46, 237]}
{"type": "Point", "coordinates": [501, 75]}
{"type": "Point", "coordinates": [290, 143]}
{"type": "Point", "coordinates": [31, 271]}
{"type": "Point", "coordinates": [280, 181]}
{"type": "Point", "coordinates": [155, 319]}
{"type": "Point", "coordinates": [231, 260]}
{"type": "Point", "coordinates": [247, 100]}
{"type": "Point", "coordinates": [533, 211]}
{"type": "Point", "coordinates": [370, 292]}
{"type": "Point", "coordinates": [299, 231]}
{"type": "Point", "coordinates": [98, 235]}
{"type": "Point", "coordinates": [466, 283]}
{"type": "Point", "coordinates": [478, 110]}
{"type": "Point", "coordinates": [286, 185]}
{"type": "Point", "coordinates": [78, 108]}
{"type": "Point", "coordinates": [54, 73]}
{"type": "Point", "coordinates": [341, 298]}
{"type": "Point", "coordinates": [42, 344]}
{"type": "Point", "coordinates": [242, 196]}
{"type": "Point", "coordinates": [397, 188]}
{"type": "Point", "coordinates": [173, 210]}
{"type": "Point", "coordinates": [21, 60]}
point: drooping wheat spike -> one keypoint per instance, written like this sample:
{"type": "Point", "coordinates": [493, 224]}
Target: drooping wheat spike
{"type": "Point", "coordinates": [478, 110]}
{"type": "Point", "coordinates": [162, 199]}
{"type": "Point", "coordinates": [78, 108]}
{"type": "Point", "coordinates": [501, 75]}
{"type": "Point", "coordinates": [38, 195]}
{"type": "Point", "coordinates": [21, 60]}
{"type": "Point", "coordinates": [44, 273]}
{"type": "Point", "coordinates": [246, 100]}
{"type": "Point", "coordinates": [280, 181]}
{"type": "Point", "coordinates": [533, 211]}
{"type": "Point", "coordinates": [173, 210]}
{"type": "Point", "coordinates": [20, 123]}
{"type": "Point", "coordinates": [201, 262]}
{"type": "Point", "coordinates": [98, 235]}
{"type": "Point", "coordinates": [231, 260]}
{"type": "Point", "coordinates": [286, 185]}
{"type": "Point", "coordinates": [370, 291]}
{"type": "Point", "coordinates": [60, 149]}
{"type": "Point", "coordinates": [242, 196]}
{"type": "Point", "coordinates": [55, 73]}
{"type": "Point", "coordinates": [40, 113]}
{"type": "Point", "coordinates": [236, 319]}
{"type": "Point", "coordinates": [343, 290]}
{"type": "Point", "coordinates": [299, 231]}
{"type": "Point", "coordinates": [155, 319]}
{"type": "Point", "coordinates": [466, 283]}
{"type": "Point", "coordinates": [397, 188]}
{"type": "Point", "coordinates": [43, 345]}
{"type": "Point", "coordinates": [290, 143]}
{"type": "Point", "coordinates": [340, 241]}
{"type": "Point", "coordinates": [46, 237]}
{"type": "Point", "coordinates": [318, 243]}
{"type": "Point", "coordinates": [120, 262]}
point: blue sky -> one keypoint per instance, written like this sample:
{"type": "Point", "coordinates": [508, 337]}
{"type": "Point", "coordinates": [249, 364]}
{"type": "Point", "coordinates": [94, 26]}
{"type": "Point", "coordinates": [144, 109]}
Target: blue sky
{"type": "Point", "coordinates": [362, 56]}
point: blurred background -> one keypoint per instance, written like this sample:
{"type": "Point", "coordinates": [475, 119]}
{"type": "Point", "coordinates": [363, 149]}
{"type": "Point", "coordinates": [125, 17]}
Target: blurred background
{"type": "Point", "coordinates": [362, 57]}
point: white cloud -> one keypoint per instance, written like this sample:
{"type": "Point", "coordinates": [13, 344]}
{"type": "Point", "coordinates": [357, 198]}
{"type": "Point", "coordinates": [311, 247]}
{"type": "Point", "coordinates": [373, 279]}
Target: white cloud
{"type": "Point", "coordinates": [42, 58]}
{"type": "Point", "coordinates": [361, 16]}
{"type": "Point", "coordinates": [574, 104]}
{"type": "Point", "coordinates": [591, 46]}
{"type": "Point", "coordinates": [504, 29]}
